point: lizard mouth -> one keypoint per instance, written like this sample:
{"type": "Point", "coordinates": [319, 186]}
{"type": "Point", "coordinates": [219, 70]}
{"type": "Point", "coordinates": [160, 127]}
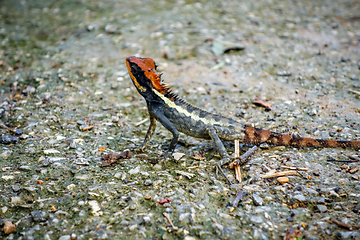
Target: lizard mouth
{"type": "Point", "coordinates": [131, 73]}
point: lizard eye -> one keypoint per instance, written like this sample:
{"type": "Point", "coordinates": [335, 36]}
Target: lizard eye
{"type": "Point", "coordinates": [133, 69]}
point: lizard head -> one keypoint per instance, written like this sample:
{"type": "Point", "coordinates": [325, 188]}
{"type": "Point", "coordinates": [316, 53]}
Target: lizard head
{"type": "Point", "coordinates": [147, 81]}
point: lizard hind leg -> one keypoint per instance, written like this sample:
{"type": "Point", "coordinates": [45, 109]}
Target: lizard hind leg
{"type": "Point", "coordinates": [225, 158]}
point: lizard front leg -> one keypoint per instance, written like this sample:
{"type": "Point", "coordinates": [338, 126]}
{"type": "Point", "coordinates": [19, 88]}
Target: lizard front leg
{"type": "Point", "coordinates": [150, 132]}
{"type": "Point", "coordinates": [221, 149]}
{"type": "Point", "coordinates": [158, 113]}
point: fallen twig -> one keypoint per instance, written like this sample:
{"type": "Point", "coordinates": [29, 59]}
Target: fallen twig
{"type": "Point", "coordinates": [354, 158]}
{"type": "Point", "coordinates": [273, 173]}
{"type": "Point", "coordinates": [238, 198]}
{"type": "Point", "coordinates": [347, 161]}
{"type": "Point", "coordinates": [354, 91]}
{"type": "Point", "coordinates": [243, 158]}
{"type": "Point", "coordinates": [344, 225]}
{"type": "Point", "coordinates": [167, 216]}
{"type": "Point", "coordinates": [295, 168]}
{"type": "Point", "coordinates": [237, 167]}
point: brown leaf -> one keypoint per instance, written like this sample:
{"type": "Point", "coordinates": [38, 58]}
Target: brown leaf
{"type": "Point", "coordinates": [292, 233]}
{"type": "Point", "coordinates": [110, 158]}
{"type": "Point", "coordinates": [199, 155]}
{"type": "Point", "coordinates": [9, 227]}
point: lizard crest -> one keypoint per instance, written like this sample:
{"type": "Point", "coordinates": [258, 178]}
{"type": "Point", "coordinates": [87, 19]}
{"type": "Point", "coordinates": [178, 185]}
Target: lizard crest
{"type": "Point", "coordinates": [145, 77]}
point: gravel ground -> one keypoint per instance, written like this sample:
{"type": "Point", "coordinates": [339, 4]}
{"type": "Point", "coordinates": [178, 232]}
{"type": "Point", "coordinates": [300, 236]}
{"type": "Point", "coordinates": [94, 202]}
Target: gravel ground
{"type": "Point", "coordinates": [66, 101]}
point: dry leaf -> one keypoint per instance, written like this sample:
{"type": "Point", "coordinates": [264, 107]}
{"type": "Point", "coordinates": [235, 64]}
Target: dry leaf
{"type": "Point", "coordinates": [110, 158]}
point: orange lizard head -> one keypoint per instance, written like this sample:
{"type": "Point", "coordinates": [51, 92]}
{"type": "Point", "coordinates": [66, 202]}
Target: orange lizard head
{"type": "Point", "coordinates": [143, 74]}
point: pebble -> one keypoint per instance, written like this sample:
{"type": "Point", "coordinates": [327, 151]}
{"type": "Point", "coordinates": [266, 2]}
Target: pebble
{"type": "Point", "coordinates": [148, 182]}
{"type": "Point", "coordinates": [24, 168]}
{"type": "Point", "coordinates": [90, 28]}
{"type": "Point", "coordinates": [38, 216]}
{"type": "Point", "coordinates": [72, 145]}
{"type": "Point", "coordinates": [4, 209]}
{"type": "Point", "coordinates": [258, 201]}
{"type": "Point", "coordinates": [110, 28]}
{"type": "Point", "coordinates": [16, 200]}
{"type": "Point", "coordinates": [65, 237]}
{"type": "Point", "coordinates": [18, 131]}
{"type": "Point", "coordinates": [283, 180]}
{"type": "Point", "coordinates": [7, 139]}
{"type": "Point", "coordinates": [102, 234]}
{"type": "Point", "coordinates": [300, 197]}
{"type": "Point", "coordinates": [256, 219]}
{"type": "Point", "coordinates": [29, 90]}
{"type": "Point", "coordinates": [81, 161]}
{"type": "Point", "coordinates": [134, 170]}
{"type": "Point", "coordinates": [5, 154]}
{"type": "Point", "coordinates": [321, 208]}
{"type": "Point", "coordinates": [283, 73]}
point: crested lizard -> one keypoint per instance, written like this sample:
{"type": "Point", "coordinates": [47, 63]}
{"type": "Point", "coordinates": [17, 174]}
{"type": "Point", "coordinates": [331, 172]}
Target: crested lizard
{"type": "Point", "coordinates": [176, 115]}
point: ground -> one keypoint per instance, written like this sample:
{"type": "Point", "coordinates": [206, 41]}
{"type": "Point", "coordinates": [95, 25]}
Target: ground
{"type": "Point", "coordinates": [66, 100]}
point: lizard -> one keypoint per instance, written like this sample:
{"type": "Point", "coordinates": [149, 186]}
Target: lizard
{"type": "Point", "coordinates": [177, 115]}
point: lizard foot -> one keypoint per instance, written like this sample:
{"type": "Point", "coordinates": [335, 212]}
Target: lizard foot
{"type": "Point", "coordinates": [166, 157]}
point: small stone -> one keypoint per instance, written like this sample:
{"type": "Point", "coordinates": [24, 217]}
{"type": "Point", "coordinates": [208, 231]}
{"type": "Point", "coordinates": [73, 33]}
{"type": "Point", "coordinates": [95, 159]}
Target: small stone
{"type": "Point", "coordinates": [110, 28]}
{"type": "Point", "coordinates": [135, 170]}
{"type": "Point", "coordinates": [29, 90]}
{"type": "Point", "coordinates": [283, 180]}
{"type": "Point", "coordinates": [38, 216]}
{"type": "Point", "coordinates": [177, 156]}
{"type": "Point", "coordinates": [321, 208]}
{"type": "Point", "coordinates": [90, 28]}
{"type": "Point", "coordinates": [81, 161]}
{"type": "Point", "coordinates": [312, 112]}
{"type": "Point", "coordinates": [31, 189]}
{"type": "Point", "coordinates": [73, 236]}
{"type": "Point", "coordinates": [9, 227]}
{"type": "Point", "coordinates": [147, 219]}
{"type": "Point", "coordinates": [354, 78]}
{"type": "Point", "coordinates": [65, 237]}
{"type": "Point", "coordinates": [24, 168]}
{"type": "Point", "coordinates": [300, 197]}
{"type": "Point", "coordinates": [356, 209]}
{"type": "Point", "coordinates": [258, 201]}
{"type": "Point", "coordinates": [256, 219]}
{"type": "Point", "coordinates": [102, 234]}
{"type": "Point", "coordinates": [16, 200]}
{"type": "Point", "coordinates": [354, 169]}
{"type": "Point", "coordinates": [5, 154]}
{"type": "Point", "coordinates": [183, 216]}
{"type": "Point", "coordinates": [51, 151]}
{"type": "Point", "coordinates": [264, 146]}
{"type": "Point", "coordinates": [4, 209]}
{"type": "Point", "coordinates": [45, 163]}
{"type": "Point", "coordinates": [18, 131]}
{"type": "Point", "coordinates": [81, 122]}
{"type": "Point", "coordinates": [73, 145]}
{"type": "Point", "coordinates": [115, 119]}
{"type": "Point", "coordinates": [7, 139]}
{"type": "Point", "coordinates": [148, 182]}
{"type": "Point", "coordinates": [283, 73]}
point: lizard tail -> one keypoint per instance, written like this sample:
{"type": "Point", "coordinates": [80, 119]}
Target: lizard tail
{"type": "Point", "coordinates": [256, 136]}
